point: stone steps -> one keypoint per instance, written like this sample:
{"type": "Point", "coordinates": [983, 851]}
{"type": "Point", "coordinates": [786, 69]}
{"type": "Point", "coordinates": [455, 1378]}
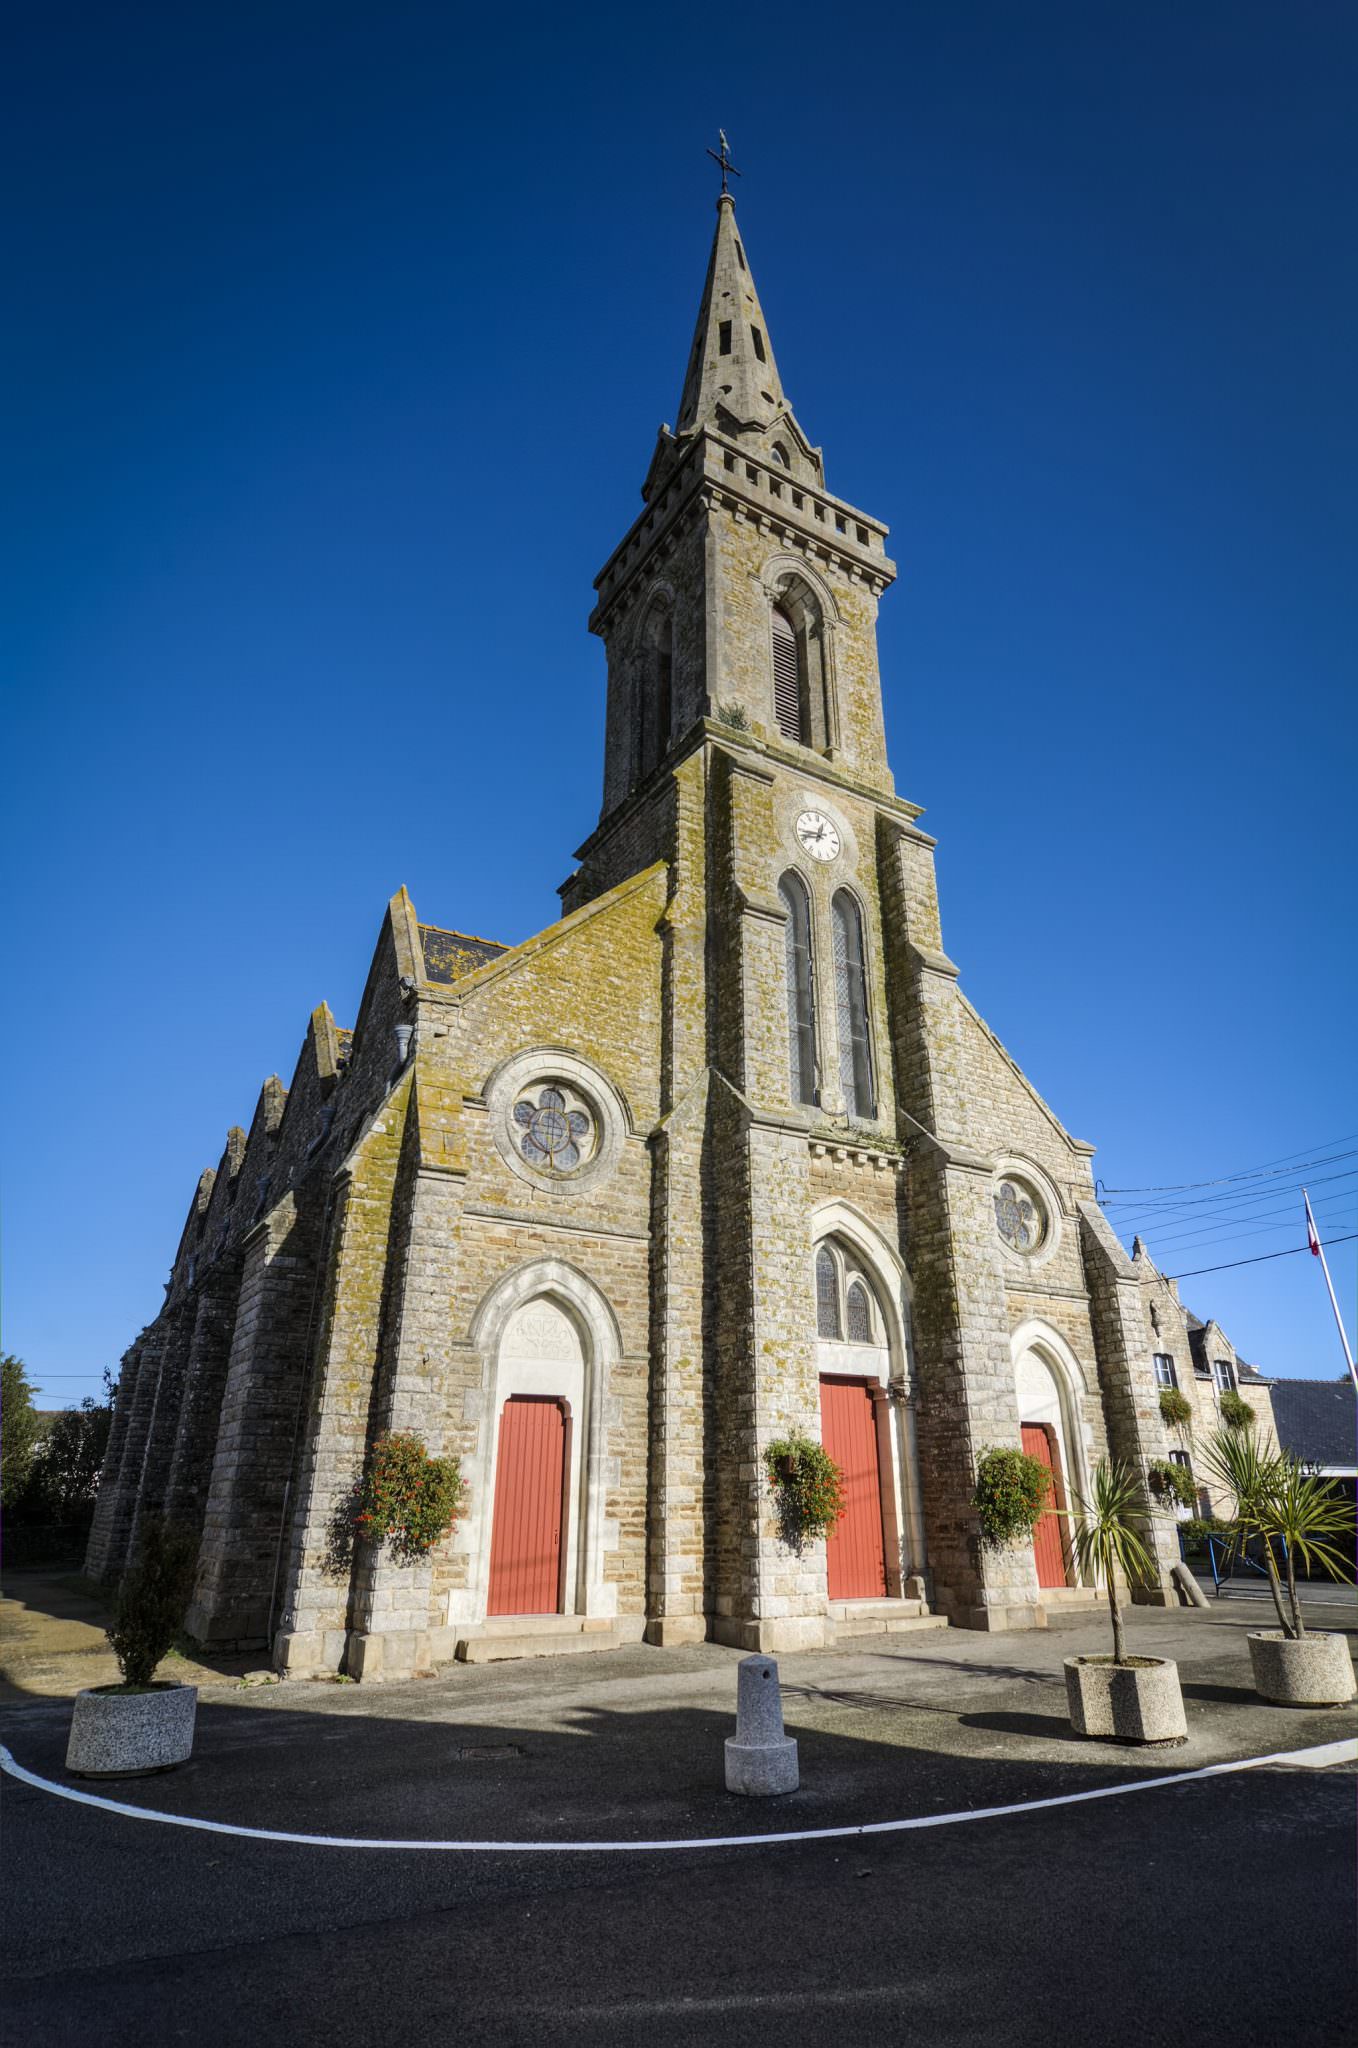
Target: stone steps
{"type": "Point", "coordinates": [904, 1624]}
{"type": "Point", "coordinates": [500, 1647]}
{"type": "Point", "coordinates": [874, 1610]}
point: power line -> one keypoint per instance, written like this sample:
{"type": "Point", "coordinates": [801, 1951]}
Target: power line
{"type": "Point", "coordinates": [1180, 1186]}
{"type": "Point", "coordinates": [1259, 1259]}
{"type": "Point", "coordinates": [1270, 1219]}
{"type": "Point", "coordinates": [1269, 1184]}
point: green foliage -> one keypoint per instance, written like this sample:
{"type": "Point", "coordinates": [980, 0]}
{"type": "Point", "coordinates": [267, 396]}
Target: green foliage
{"type": "Point", "coordinates": [151, 1600]}
{"type": "Point", "coordinates": [808, 1486]}
{"type": "Point", "coordinates": [1275, 1497]}
{"type": "Point", "coordinates": [406, 1498]}
{"type": "Point", "coordinates": [734, 715]}
{"type": "Point", "coordinates": [1236, 1411]}
{"type": "Point", "coordinates": [1196, 1530]}
{"type": "Point", "coordinates": [1175, 1407]}
{"type": "Point", "coordinates": [1011, 1492]}
{"type": "Point", "coordinates": [19, 1427]}
{"type": "Point", "coordinates": [1168, 1478]}
{"type": "Point", "coordinates": [1107, 1536]}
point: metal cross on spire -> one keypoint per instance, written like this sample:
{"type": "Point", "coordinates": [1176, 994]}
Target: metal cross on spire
{"type": "Point", "coordinates": [723, 157]}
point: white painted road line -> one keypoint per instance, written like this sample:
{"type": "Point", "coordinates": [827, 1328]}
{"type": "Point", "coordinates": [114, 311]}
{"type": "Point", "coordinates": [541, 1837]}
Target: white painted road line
{"type": "Point", "coordinates": [1318, 1758]}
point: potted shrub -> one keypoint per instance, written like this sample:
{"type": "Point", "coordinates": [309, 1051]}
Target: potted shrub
{"type": "Point", "coordinates": [1175, 1408]}
{"type": "Point", "coordinates": [1236, 1411]}
{"type": "Point", "coordinates": [144, 1724]}
{"type": "Point", "coordinates": [1278, 1500]}
{"type": "Point", "coordinates": [1171, 1482]}
{"type": "Point", "coordinates": [1011, 1493]}
{"type": "Point", "coordinates": [1132, 1699]}
{"type": "Point", "coordinates": [808, 1487]}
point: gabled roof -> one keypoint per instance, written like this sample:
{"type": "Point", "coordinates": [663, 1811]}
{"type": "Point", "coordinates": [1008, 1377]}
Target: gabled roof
{"type": "Point", "coordinates": [1317, 1420]}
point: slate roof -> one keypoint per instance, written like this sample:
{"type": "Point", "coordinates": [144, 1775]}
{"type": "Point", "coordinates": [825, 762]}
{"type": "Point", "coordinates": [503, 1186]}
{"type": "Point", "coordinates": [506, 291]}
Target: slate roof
{"type": "Point", "coordinates": [450, 955]}
{"type": "Point", "coordinates": [1317, 1420]}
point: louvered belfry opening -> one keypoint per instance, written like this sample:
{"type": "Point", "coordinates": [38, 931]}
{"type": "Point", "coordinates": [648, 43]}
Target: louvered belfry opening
{"type": "Point", "coordinates": [787, 678]}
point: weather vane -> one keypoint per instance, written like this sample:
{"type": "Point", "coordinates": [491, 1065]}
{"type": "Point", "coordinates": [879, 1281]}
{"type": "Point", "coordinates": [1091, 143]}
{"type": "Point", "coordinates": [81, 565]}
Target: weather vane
{"type": "Point", "coordinates": [723, 157]}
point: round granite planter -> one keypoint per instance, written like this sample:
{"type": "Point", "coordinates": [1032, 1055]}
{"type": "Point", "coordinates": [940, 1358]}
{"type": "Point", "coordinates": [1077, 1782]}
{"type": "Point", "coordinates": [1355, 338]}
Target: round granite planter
{"type": "Point", "coordinates": [1138, 1702]}
{"type": "Point", "coordinates": [117, 1734]}
{"type": "Point", "coordinates": [1312, 1671]}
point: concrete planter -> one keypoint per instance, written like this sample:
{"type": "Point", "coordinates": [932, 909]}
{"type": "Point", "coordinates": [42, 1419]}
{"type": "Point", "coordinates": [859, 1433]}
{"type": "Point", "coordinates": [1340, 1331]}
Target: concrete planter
{"type": "Point", "coordinates": [1138, 1702]}
{"type": "Point", "coordinates": [116, 1734]}
{"type": "Point", "coordinates": [1314, 1671]}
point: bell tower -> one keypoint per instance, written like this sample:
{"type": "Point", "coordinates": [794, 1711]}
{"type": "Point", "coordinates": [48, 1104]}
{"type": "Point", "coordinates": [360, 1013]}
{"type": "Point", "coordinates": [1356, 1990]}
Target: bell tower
{"type": "Point", "coordinates": [743, 599]}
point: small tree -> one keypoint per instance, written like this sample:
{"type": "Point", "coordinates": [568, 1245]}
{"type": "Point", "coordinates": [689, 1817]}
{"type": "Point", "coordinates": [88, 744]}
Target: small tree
{"type": "Point", "coordinates": [1245, 1469]}
{"type": "Point", "coordinates": [19, 1426]}
{"type": "Point", "coordinates": [1107, 1536]}
{"type": "Point", "coordinates": [1306, 1514]}
{"type": "Point", "coordinates": [151, 1600]}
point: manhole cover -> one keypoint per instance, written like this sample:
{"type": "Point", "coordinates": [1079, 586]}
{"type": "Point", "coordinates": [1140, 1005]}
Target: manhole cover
{"type": "Point", "coordinates": [489, 1752]}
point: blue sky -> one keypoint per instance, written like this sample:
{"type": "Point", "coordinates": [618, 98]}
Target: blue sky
{"type": "Point", "coordinates": [338, 341]}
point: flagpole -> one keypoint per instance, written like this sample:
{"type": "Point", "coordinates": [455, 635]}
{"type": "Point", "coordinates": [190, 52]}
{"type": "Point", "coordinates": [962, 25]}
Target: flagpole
{"type": "Point", "coordinates": [1318, 1248]}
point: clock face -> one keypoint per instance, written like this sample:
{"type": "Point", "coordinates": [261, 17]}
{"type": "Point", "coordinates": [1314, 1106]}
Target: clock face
{"type": "Point", "coordinates": [818, 834]}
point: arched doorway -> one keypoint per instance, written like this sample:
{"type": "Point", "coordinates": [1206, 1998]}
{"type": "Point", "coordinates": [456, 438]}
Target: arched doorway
{"type": "Point", "coordinates": [1046, 1436]}
{"type": "Point", "coordinates": [866, 1409]}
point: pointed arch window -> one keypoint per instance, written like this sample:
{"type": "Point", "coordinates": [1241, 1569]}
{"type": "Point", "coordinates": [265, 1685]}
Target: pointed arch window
{"type": "Point", "coordinates": [851, 1008]}
{"type": "Point", "coordinates": [801, 991]}
{"type": "Point", "coordinates": [858, 1315]}
{"type": "Point", "coordinates": [655, 689]}
{"type": "Point", "coordinates": [788, 693]}
{"type": "Point", "coordinates": [827, 1295]}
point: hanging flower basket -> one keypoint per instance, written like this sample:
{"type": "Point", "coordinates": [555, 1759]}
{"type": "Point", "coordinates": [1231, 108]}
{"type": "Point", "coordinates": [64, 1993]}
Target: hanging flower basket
{"type": "Point", "coordinates": [406, 1498]}
{"type": "Point", "coordinates": [808, 1487]}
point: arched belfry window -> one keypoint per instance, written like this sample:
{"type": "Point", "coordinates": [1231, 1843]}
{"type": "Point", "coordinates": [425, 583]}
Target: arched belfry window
{"type": "Point", "coordinates": [654, 689]}
{"type": "Point", "coordinates": [787, 678]}
{"type": "Point", "coordinates": [851, 1008]}
{"type": "Point", "coordinates": [801, 991]}
{"type": "Point", "coordinates": [802, 687]}
{"type": "Point", "coordinates": [827, 1296]}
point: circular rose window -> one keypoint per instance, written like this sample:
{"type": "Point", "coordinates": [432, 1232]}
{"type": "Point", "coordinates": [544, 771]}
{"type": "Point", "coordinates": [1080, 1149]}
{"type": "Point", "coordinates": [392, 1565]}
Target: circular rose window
{"type": "Point", "coordinates": [554, 1128]}
{"type": "Point", "coordinates": [1020, 1215]}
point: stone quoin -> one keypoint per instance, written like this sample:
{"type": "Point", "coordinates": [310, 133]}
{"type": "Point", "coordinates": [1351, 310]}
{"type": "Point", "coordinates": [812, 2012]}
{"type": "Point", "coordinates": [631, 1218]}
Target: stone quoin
{"type": "Point", "coordinates": [721, 1154]}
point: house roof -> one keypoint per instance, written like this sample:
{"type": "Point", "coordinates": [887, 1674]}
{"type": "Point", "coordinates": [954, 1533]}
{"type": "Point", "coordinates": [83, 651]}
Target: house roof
{"type": "Point", "coordinates": [1316, 1420]}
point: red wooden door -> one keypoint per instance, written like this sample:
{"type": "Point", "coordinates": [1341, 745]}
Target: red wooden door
{"type": "Point", "coordinates": [854, 1561]}
{"type": "Point", "coordinates": [525, 1541]}
{"type": "Point", "coordinates": [1048, 1544]}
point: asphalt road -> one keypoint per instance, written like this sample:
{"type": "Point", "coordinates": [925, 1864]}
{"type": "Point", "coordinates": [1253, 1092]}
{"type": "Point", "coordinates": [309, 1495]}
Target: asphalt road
{"type": "Point", "coordinates": [1220, 1910]}
{"type": "Point", "coordinates": [1215, 1910]}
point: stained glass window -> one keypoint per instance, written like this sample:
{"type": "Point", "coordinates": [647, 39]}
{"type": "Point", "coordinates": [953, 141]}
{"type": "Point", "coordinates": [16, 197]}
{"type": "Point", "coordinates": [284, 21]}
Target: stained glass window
{"type": "Point", "coordinates": [827, 1296]}
{"type": "Point", "coordinates": [851, 1004]}
{"type": "Point", "coordinates": [1018, 1216]}
{"type": "Point", "coordinates": [553, 1134]}
{"type": "Point", "coordinates": [859, 1317]}
{"type": "Point", "coordinates": [801, 1002]}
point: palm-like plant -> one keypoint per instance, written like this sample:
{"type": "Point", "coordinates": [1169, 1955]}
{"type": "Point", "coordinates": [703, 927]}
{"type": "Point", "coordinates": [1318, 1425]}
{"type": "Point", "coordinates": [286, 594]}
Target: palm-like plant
{"type": "Point", "coordinates": [1107, 1536]}
{"type": "Point", "coordinates": [1275, 1496]}
{"type": "Point", "coordinates": [1246, 1468]}
{"type": "Point", "coordinates": [1304, 1511]}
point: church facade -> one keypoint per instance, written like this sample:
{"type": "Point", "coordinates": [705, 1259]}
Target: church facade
{"type": "Point", "coordinates": [723, 1153]}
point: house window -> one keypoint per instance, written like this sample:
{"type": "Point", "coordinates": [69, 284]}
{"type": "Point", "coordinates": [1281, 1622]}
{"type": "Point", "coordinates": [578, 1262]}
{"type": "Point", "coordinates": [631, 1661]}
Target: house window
{"type": "Point", "coordinates": [1165, 1375]}
{"type": "Point", "coordinates": [787, 678]}
{"type": "Point", "coordinates": [1223, 1374]}
{"type": "Point", "coordinates": [1181, 1458]}
{"type": "Point", "coordinates": [827, 1296]}
{"type": "Point", "coordinates": [851, 1008]}
{"type": "Point", "coordinates": [801, 997]}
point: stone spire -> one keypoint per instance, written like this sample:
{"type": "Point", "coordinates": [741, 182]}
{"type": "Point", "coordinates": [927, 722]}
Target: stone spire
{"type": "Point", "coordinates": [732, 382]}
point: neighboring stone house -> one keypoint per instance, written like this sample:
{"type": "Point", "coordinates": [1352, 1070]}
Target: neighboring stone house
{"type": "Point", "coordinates": [1199, 1360]}
{"type": "Point", "coordinates": [723, 1152]}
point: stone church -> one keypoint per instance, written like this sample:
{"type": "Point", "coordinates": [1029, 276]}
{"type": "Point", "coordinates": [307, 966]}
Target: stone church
{"type": "Point", "coordinates": [722, 1153]}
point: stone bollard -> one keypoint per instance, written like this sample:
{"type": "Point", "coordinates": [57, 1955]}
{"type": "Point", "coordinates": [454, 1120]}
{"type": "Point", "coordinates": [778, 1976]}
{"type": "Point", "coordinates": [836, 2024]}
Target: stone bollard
{"type": "Point", "coordinates": [760, 1759]}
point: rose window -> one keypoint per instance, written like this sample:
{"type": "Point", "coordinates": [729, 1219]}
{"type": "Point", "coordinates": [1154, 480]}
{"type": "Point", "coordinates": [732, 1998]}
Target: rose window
{"type": "Point", "coordinates": [1019, 1217]}
{"type": "Point", "coordinates": [553, 1132]}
